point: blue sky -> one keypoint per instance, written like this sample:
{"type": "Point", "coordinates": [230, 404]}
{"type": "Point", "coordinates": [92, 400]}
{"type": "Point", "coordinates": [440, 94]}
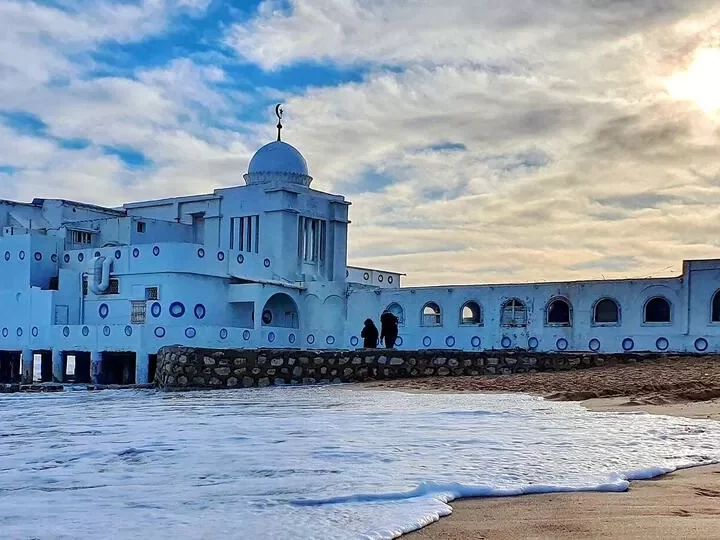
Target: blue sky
{"type": "Point", "coordinates": [479, 140]}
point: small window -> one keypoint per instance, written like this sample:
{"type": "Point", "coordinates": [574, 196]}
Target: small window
{"type": "Point", "coordinates": [715, 317]}
{"type": "Point", "coordinates": [113, 287]}
{"type": "Point", "coordinates": [152, 293]}
{"type": "Point", "coordinates": [606, 312]}
{"type": "Point", "coordinates": [81, 237]}
{"type": "Point", "coordinates": [141, 226]}
{"type": "Point", "coordinates": [471, 314]}
{"type": "Point", "coordinates": [558, 312]}
{"type": "Point", "coordinates": [431, 315]}
{"type": "Point", "coordinates": [657, 310]}
{"type": "Point", "coordinates": [85, 287]}
{"type": "Point", "coordinates": [138, 312]}
{"type": "Point", "coordinates": [514, 314]}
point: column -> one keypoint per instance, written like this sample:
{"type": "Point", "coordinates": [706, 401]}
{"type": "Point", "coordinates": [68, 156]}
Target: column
{"type": "Point", "coordinates": [142, 365]}
{"type": "Point", "coordinates": [27, 366]}
{"type": "Point", "coordinates": [58, 366]}
{"type": "Point", "coordinates": [95, 367]}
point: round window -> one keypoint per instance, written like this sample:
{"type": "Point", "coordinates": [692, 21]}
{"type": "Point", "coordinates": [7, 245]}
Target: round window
{"type": "Point", "coordinates": [267, 316]}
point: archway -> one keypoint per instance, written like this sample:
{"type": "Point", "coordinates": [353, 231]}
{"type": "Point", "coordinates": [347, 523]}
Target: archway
{"type": "Point", "coordinates": [280, 311]}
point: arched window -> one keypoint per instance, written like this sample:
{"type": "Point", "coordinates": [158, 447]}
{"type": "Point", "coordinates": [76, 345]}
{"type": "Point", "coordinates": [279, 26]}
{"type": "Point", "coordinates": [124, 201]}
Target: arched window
{"type": "Point", "coordinates": [606, 312]}
{"type": "Point", "coordinates": [397, 310]}
{"type": "Point", "coordinates": [558, 312]}
{"type": "Point", "coordinates": [715, 314]}
{"type": "Point", "coordinates": [471, 314]}
{"type": "Point", "coordinates": [657, 310]}
{"type": "Point", "coordinates": [514, 313]}
{"type": "Point", "coordinates": [431, 315]}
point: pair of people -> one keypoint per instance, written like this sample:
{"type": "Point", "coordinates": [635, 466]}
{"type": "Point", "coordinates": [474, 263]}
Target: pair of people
{"type": "Point", "coordinates": [388, 334]}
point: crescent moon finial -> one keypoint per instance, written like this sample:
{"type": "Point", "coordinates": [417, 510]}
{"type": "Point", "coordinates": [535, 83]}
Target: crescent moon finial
{"type": "Point", "coordinates": [279, 114]}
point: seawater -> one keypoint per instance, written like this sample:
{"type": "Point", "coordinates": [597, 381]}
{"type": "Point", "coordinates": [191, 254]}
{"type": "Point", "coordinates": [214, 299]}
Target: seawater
{"type": "Point", "coordinates": [307, 463]}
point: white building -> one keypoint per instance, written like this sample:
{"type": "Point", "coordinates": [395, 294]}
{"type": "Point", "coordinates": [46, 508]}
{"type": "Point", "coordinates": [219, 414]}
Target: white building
{"type": "Point", "coordinates": [265, 265]}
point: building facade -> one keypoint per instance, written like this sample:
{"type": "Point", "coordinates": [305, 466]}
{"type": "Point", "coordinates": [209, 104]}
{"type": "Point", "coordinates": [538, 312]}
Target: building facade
{"type": "Point", "coordinates": [265, 265]}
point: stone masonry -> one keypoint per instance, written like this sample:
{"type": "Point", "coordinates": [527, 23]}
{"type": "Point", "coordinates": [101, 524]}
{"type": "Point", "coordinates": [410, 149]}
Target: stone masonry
{"type": "Point", "coordinates": [194, 368]}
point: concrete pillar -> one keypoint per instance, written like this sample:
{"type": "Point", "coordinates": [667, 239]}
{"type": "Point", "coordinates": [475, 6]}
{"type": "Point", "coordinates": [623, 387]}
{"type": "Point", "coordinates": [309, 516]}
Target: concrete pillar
{"type": "Point", "coordinates": [95, 367]}
{"type": "Point", "coordinates": [142, 365]}
{"type": "Point", "coordinates": [27, 366]}
{"type": "Point", "coordinates": [58, 366]}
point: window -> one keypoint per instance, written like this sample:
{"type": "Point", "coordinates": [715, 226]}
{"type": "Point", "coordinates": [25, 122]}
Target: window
{"type": "Point", "coordinates": [715, 317]}
{"type": "Point", "coordinates": [85, 287]}
{"type": "Point", "coordinates": [141, 226]}
{"type": "Point", "coordinates": [312, 239]}
{"type": "Point", "coordinates": [138, 311]}
{"type": "Point", "coordinates": [558, 312]}
{"type": "Point", "coordinates": [606, 312]}
{"type": "Point", "coordinates": [514, 313]}
{"type": "Point", "coordinates": [657, 310]}
{"type": "Point", "coordinates": [431, 315]}
{"type": "Point", "coordinates": [397, 310]}
{"type": "Point", "coordinates": [152, 293]}
{"type": "Point", "coordinates": [81, 237]}
{"type": "Point", "coordinates": [471, 314]}
{"type": "Point", "coordinates": [245, 233]}
{"type": "Point", "coordinates": [113, 287]}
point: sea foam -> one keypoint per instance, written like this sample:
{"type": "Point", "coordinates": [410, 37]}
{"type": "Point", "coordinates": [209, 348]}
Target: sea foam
{"type": "Point", "coordinates": [309, 463]}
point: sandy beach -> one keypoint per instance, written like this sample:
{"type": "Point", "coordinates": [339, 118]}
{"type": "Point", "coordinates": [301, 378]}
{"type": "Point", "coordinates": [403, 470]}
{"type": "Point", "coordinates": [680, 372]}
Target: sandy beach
{"type": "Point", "coordinates": [684, 504]}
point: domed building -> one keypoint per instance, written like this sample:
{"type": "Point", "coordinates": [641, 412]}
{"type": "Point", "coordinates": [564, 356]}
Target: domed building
{"type": "Point", "coordinates": [92, 293]}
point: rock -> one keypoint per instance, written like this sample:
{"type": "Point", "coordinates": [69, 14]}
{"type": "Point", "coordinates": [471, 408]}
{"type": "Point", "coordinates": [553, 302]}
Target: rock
{"type": "Point", "coordinates": [198, 381]}
{"type": "Point", "coordinates": [440, 361]}
{"type": "Point", "coordinates": [232, 381]}
{"type": "Point", "coordinates": [270, 372]}
{"type": "Point", "coordinates": [369, 359]}
{"type": "Point", "coordinates": [492, 362]}
{"type": "Point", "coordinates": [506, 371]}
{"type": "Point", "coordinates": [443, 371]}
{"type": "Point", "coordinates": [183, 359]}
{"type": "Point", "coordinates": [256, 371]}
{"type": "Point", "coordinates": [209, 361]}
{"type": "Point", "coordinates": [297, 371]}
{"type": "Point", "coordinates": [348, 371]}
{"type": "Point", "coordinates": [240, 371]}
{"type": "Point", "coordinates": [511, 361]}
{"type": "Point", "coordinates": [261, 360]}
{"type": "Point", "coordinates": [248, 382]}
{"type": "Point", "coordinates": [240, 361]}
{"type": "Point", "coordinates": [382, 360]}
{"type": "Point", "coordinates": [214, 381]}
{"type": "Point", "coordinates": [222, 371]}
{"type": "Point", "coordinates": [357, 361]}
{"type": "Point", "coordinates": [182, 380]}
{"type": "Point", "coordinates": [344, 360]}
{"type": "Point", "coordinates": [453, 363]}
{"type": "Point", "coordinates": [395, 361]}
{"type": "Point", "coordinates": [304, 360]}
{"type": "Point", "coordinates": [291, 361]}
{"type": "Point", "coordinates": [264, 382]}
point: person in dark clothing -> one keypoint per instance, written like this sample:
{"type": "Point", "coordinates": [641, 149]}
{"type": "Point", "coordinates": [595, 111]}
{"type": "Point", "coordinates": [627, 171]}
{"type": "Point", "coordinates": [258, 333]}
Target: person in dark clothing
{"type": "Point", "coordinates": [389, 329]}
{"type": "Point", "coordinates": [370, 335]}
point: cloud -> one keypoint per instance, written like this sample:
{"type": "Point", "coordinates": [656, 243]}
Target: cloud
{"type": "Point", "coordinates": [479, 141]}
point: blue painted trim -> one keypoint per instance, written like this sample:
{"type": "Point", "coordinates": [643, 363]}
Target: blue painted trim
{"type": "Point", "coordinates": [266, 262]}
{"type": "Point", "coordinates": [506, 342]}
{"type": "Point", "coordinates": [81, 257]}
{"type": "Point", "coordinates": [5, 332]}
{"type": "Point", "coordinates": [128, 330]}
{"type": "Point", "coordinates": [118, 254]}
{"type": "Point", "coordinates": [22, 255]}
{"type": "Point", "coordinates": [35, 331]}
{"type": "Point", "coordinates": [475, 341]}
{"type": "Point", "coordinates": [136, 253]}
{"type": "Point", "coordinates": [399, 341]}
{"type": "Point", "coordinates": [54, 258]}
{"type": "Point", "coordinates": [701, 344]}
{"type": "Point", "coordinates": [354, 341]}
{"type": "Point", "coordinates": [38, 256]}
{"type": "Point", "coordinates": [103, 311]}
{"type": "Point", "coordinates": [200, 311]}
{"type": "Point", "coordinates": [271, 337]}
{"type": "Point", "coordinates": [594, 344]}
{"type": "Point", "coordinates": [19, 331]}
{"type": "Point", "coordinates": [85, 331]}
{"type": "Point", "coordinates": [628, 344]}
{"type": "Point", "coordinates": [291, 338]}
{"type": "Point", "coordinates": [160, 332]}
{"type": "Point", "coordinates": [246, 335]}
{"type": "Point", "coordinates": [190, 332]}
{"type": "Point", "coordinates": [66, 258]}
{"type": "Point", "coordinates": [533, 342]}
{"type": "Point", "coordinates": [562, 344]}
{"type": "Point", "coordinates": [156, 250]}
{"type": "Point", "coordinates": [66, 331]}
{"type": "Point", "coordinates": [221, 256]}
{"type": "Point", "coordinates": [201, 253]}
{"type": "Point", "coordinates": [240, 258]}
{"type": "Point", "coordinates": [177, 309]}
{"type": "Point", "coordinates": [310, 339]}
{"type": "Point", "coordinates": [450, 341]}
{"type": "Point", "coordinates": [156, 309]}
{"type": "Point", "coordinates": [330, 340]}
{"type": "Point", "coordinates": [106, 331]}
{"type": "Point", "coordinates": [427, 341]}
{"type": "Point", "coordinates": [7, 256]}
{"type": "Point", "coordinates": [223, 333]}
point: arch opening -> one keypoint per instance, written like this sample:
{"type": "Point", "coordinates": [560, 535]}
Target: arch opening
{"type": "Point", "coordinates": [657, 310]}
{"type": "Point", "coordinates": [715, 314]}
{"type": "Point", "coordinates": [606, 311]}
{"type": "Point", "coordinates": [471, 314]}
{"type": "Point", "coordinates": [280, 311]}
{"type": "Point", "coordinates": [431, 315]}
{"type": "Point", "coordinates": [514, 313]}
{"type": "Point", "coordinates": [559, 312]}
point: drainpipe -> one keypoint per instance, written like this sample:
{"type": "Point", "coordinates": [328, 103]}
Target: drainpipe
{"type": "Point", "coordinates": [101, 275]}
{"type": "Point", "coordinates": [83, 275]}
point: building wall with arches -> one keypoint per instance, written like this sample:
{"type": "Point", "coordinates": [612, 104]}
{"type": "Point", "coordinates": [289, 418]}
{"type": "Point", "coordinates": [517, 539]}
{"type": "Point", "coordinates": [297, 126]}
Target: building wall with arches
{"type": "Point", "coordinates": [576, 326]}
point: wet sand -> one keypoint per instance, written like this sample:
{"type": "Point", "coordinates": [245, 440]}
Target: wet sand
{"type": "Point", "coordinates": [684, 504]}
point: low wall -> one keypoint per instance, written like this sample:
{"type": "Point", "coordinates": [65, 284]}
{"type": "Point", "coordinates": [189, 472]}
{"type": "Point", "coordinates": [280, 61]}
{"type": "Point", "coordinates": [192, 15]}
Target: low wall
{"type": "Point", "coordinates": [184, 367]}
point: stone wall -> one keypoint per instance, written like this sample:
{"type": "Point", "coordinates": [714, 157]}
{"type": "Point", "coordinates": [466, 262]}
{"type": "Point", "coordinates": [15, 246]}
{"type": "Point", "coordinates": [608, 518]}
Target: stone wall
{"type": "Point", "coordinates": [184, 367]}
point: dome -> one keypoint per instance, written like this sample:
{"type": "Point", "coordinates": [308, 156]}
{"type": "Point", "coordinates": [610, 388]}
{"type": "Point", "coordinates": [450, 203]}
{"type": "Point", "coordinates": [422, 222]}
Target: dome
{"type": "Point", "coordinates": [278, 161]}
{"type": "Point", "coordinates": [278, 157]}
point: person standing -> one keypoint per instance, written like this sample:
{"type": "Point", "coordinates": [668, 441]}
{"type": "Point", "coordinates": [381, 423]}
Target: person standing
{"type": "Point", "coordinates": [370, 335]}
{"type": "Point", "coordinates": [389, 329]}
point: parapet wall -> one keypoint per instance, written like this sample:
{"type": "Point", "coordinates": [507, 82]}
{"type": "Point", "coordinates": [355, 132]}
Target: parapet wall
{"type": "Point", "coordinates": [184, 367]}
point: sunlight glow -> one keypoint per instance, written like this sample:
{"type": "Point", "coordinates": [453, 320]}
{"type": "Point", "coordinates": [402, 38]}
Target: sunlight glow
{"type": "Point", "coordinates": [701, 82]}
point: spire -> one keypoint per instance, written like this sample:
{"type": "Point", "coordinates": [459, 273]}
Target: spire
{"type": "Point", "coordinates": [279, 113]}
